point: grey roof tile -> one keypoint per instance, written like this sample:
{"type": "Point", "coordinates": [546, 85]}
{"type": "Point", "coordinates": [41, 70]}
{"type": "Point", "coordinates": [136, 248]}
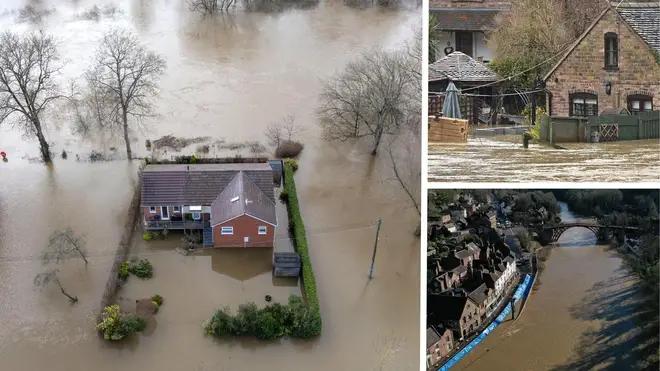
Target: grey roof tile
{"type": "Point", "coordinates": [242, 196]}
{"type": "Point", "coordinates": [198, 184]}
{"type": "Point", "coordinates": [458, 66]}
{"type": "Point", "coordinates": [465, 19]}
{"type": "Point", "coordinates": [644, 18]}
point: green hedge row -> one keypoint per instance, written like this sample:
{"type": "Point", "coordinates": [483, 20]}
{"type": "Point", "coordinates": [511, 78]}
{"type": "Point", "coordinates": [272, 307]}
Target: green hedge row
{"type": "Point", "coordinates": [300, 241]}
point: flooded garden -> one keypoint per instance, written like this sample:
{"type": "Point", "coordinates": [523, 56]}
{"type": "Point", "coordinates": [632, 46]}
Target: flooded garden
{"type": "Point", "coordinates": [227, 78]}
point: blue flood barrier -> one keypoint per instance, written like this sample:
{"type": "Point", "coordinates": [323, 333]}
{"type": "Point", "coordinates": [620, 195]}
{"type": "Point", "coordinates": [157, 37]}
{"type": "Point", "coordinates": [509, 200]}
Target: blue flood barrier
{"type": "Point", "coordinates": [521, 292]}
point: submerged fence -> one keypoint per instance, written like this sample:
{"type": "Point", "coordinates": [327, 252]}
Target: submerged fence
{"type": "Point", "coordinates": [645, 125]}
{"type": "Point", "coordinates": [521, 292]}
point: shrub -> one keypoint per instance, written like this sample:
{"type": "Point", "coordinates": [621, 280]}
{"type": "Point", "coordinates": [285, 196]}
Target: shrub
{"type": "Point", "coordinates": [148, 236]}
{"type": "Point", "coordinates": [156, 306]}
{"type": "Point", "coordinates": [220, 324]}
{"type": "Point", "coordinates": [289, 149]}
{"type": "Point", "coordinates": [158, 299]}
{"type": "Point", "coordinates": [142, 269]}
{"type": "Point", "coordinates": [123, 271]}
{"type": "Point", "coordinates": [268, 327]}
{"type": "Point", "coordinates": [293, 164]}
{"type": "Point", "coordinates": [116, 326]}
{"type": "Point", "coordinates": [296, 221]}
{"type": "Point", "coordinates": [284, 196]}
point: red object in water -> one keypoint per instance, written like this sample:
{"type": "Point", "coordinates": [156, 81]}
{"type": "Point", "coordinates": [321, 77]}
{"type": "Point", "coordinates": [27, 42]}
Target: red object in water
{"type": "Point", "coordinates": [3, 154]}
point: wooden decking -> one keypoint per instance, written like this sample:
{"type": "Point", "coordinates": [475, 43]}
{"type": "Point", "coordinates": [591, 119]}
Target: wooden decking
{"type": "Point", "coordinates": [177, 225]}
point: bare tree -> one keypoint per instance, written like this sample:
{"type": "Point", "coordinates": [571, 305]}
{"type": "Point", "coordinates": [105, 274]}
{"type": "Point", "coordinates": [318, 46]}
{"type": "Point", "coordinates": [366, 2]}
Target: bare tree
{"type": "Point", "coordinates": [125, 75]}
{"type": "Point", "coordinates": [368, 98]}
{"type": "Point", "coordinates": [405, 159]}
{"type": "Point", "coordinates": [43, 279]}
{"type": "Point", "coordinates": [285, 129]}
{"type": "Point", "coordinates": [210, 6]}
{"type": "Point", "coordinates": [28, 66]}
{"type": "Point", "coordinates": [64, 245]}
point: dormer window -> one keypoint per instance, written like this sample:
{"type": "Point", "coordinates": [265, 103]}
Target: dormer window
{"type": "Point", "coordinates": [611, 51]}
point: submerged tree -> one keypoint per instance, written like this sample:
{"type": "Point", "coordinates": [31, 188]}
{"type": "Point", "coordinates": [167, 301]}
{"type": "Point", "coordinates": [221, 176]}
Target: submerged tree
{"type": "Point", "coordinates": [63, 245]}
{"type": "Point", "coordinates": [369, 98]}
{"type": "Point", "coordinates": [28, 66]}
{"type": "Point", "coordinates": [125, 76]}
{"type": "Point", "coordinates": [42, 280]}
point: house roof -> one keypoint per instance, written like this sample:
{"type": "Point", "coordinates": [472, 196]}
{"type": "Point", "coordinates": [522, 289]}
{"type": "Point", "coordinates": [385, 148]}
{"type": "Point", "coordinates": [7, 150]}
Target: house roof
{"type": "Point", "coordinates": [242, 196]}
{"type": "Point", "coordinates": [463, 254]}
{"type": "Point", "coordinates": [432, 337]}
{"type": "Point", "coordinates": [509, 259]}
{"type": "Point", "coordinates": [644, 19]}
{"type": "Point", "coordinates": [473, 248]}
{"type": "Point", "coordinates": [465, 19]}
{"type": "Point", "coordinates": [461, 269]}
{"type": "Point", "coordinates": [480, 294]}
{"type": "Point", "coordinates": [641, 17]}
{"type": "Point", "coordinates": [198, 184]}
{"type": "Point", "coordinates": [458, 66]}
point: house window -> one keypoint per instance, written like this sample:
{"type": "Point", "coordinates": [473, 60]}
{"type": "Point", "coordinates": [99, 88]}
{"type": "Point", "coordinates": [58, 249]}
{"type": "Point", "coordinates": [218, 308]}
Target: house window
{"type": "Point", "coordinates": [262, 229]}
{"type": "Point", "coordinates": [639, 103]}
{"type": "Point", "coordinates": [227, 230]}
{"type": "Point", "coordinates": [583, 104]}
{"type": "Point", "coordinates": [152, 210]}
{"type": "Point", "coordinates": [197, 216]}
{"type": "Point", "coordinates": [611, 50]}
{"type": "Point", "coordinates": [176, 209]}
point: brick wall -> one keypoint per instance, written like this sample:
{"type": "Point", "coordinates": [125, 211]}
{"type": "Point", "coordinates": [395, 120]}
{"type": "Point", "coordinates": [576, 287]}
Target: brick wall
{"type": "Point", "coordinates": [488, 4]}
{"type": "Point", "coordinates": [583, 70]}
{"type": "Point", "coordinates": [244, 226]}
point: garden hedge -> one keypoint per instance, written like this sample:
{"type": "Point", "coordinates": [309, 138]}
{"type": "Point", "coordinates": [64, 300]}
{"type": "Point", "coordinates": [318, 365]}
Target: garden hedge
{"type": "Point", "coordinates": [300, 240]}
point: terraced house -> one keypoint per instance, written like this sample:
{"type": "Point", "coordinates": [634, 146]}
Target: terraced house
{"type": "Point", "coordinates": [614, 64]}
{"type": "Point", "coordinates": [234, 204]}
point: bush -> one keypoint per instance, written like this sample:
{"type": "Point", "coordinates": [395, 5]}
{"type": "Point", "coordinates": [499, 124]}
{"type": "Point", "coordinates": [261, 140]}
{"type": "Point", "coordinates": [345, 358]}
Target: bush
{"type": "Point", "coordinates": [156, 306]}
{"type": "Point", "coordinates": [293, 164]}
{"type": "Point", "coordinates": [116, 326]}
{"type": "Point", "coordinates": [284, 196]}
{"type": "Point", "coordinates": [271, 322]}
{"type": "Point", "coordinates": [147, 236]}
{"type": "Point", "coordinates": [288, 149]}
{"type": "Point", "coordinates": [142, 269]}
{"type": "Point", "coordinates": [158, 299]}
{"type": "Point", "coordinates": [123, 271]}
{"type": "Point", "coordinates": [300, 240]}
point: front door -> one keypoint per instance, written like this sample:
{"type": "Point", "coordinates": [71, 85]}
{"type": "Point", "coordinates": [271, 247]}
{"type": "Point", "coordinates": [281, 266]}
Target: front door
{"type": "Point", "coordinates": [164, 213]}
{"type": "Point", "coordinates": [245, 241]}
{"type": "Point", "coordinates": [464, 42]}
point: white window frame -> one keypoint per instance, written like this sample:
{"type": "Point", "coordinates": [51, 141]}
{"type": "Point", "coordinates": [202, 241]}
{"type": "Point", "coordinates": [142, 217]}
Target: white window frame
{"type": "Point", "coordinates": [168, 213]}
{"type": "Point", "coordinates": [152, 209]}
{"type": "Point", "coordinates": [263, 229]}
{"type": "Point", "coordinates": [176, 209]}
{"type": "Point", "coordinates": [227, 230]}
{"type": "Point", "coordinates": [197, 216]}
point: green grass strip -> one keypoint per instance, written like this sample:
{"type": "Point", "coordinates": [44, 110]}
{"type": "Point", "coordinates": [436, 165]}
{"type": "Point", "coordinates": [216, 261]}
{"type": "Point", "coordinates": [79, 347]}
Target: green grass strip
{"type": "Point", "coordinates": [298, 226]}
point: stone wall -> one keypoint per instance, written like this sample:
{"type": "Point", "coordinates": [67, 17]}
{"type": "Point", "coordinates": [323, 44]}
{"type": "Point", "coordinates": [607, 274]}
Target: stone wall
{"type": "Point", "coordinates": [583, 70]}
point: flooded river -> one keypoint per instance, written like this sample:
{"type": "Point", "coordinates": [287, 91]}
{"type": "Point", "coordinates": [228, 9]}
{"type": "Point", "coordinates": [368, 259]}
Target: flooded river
{"type": "Point", "coordinates": [581, 317]}
{"type": "Point", "coordinates": [228, 77]}
{"type": "Point", "coordinates": [491, 160]}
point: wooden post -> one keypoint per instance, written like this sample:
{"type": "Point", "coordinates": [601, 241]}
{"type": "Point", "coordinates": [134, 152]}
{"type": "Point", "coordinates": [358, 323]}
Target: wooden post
{"type": "Point", "coordinates": [373, 257]}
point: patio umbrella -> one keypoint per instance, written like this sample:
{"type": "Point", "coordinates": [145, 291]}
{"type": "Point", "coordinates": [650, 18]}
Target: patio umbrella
{"type": "Point", "coordinates": [451, 108]}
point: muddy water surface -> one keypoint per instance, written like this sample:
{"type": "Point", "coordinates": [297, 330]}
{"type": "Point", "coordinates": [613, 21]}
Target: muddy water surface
{"type": "Point", "coordinates": [489, 160]}
{"type": "Point", "coordinates": [227, 78]}
{"type": "Point", "coordinates": [581, 317]}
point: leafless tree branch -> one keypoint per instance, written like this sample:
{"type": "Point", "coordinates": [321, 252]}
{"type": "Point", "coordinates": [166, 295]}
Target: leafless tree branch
{"type": "Point", "coordinates": [42, 280]}
{"type": "Point", "coordinates": [28, 66]}
{"type": "Point", "coordinates": [64, 245]}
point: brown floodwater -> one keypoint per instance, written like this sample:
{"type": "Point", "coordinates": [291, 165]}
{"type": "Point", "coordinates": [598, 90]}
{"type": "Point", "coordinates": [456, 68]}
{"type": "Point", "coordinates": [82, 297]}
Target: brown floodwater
{"type": "Point", "coordinates": [228, 77]}
{"type": "Point", "coordinates": [504, 160]}
{"type": "Point", "coordinates": [581, 316]}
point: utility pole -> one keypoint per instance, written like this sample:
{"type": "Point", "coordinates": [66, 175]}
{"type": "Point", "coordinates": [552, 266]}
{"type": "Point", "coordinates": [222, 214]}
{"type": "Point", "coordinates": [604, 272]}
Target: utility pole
{"type": "Point", "coordinates": [373, 257]}
{"type": "Point", "coordinates": [513, 309]}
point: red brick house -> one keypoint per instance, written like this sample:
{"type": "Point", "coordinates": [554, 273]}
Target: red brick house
{"type": "Point", "coordinates": [234, 204]}
{"type": "Point", "coordinates": [439, 343]}
{"type": "Point", "coordinates": [613, 64]}
{"type": "Point", "coordinates": [459, 313]}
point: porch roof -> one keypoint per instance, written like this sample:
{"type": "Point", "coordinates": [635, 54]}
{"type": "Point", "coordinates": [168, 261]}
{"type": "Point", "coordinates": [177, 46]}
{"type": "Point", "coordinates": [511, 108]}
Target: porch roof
{"type": "Point", "coordinates": [460, 67]}
{"type": "Point", "coordinates": [465, 19]}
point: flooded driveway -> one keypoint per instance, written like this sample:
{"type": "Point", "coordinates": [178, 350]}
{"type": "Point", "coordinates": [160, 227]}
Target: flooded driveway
{"type": "Point", "coordinates": [582, 316]}
{"type": "Point", "coordinates": [492, 160]}
{"type": "Point", "coordinates": [228, 77]}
